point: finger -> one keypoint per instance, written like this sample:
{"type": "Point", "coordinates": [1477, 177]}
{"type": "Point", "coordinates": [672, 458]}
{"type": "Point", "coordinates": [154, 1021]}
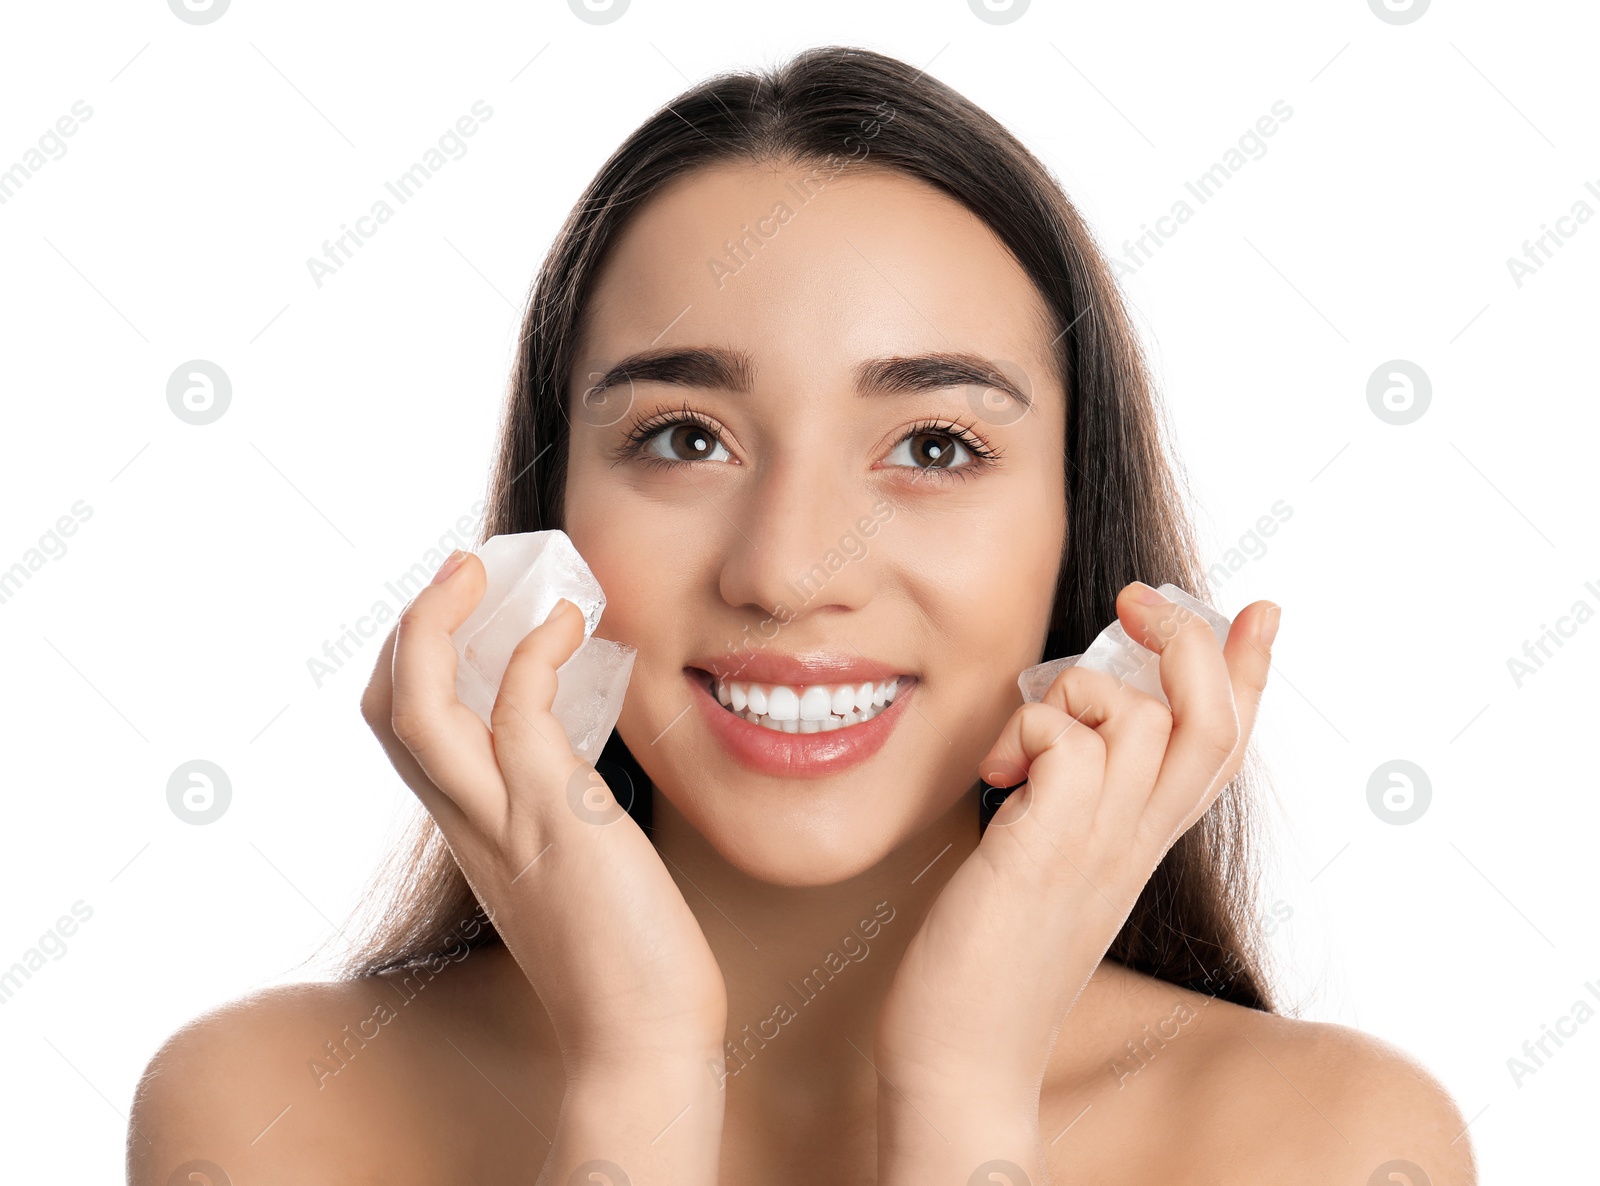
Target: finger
{"type": "Point", "coordinates": [1248, 653]}
{"type": "Point", "coordinates": [1195, 678]}
{"type": "Point", "coordinates": [1062, 761]}
{"type": "Point", "coordinates": [528, 740]}
{"type": "Point", "coordinates": [1135, 727]}
{"type": "Point", "coordinates": [377, 709]}
{"type": "Point", "coordinates": [448, 739]}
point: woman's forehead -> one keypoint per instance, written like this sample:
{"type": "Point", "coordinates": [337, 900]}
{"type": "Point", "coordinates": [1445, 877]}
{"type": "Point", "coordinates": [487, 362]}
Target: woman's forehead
{"type": "Point", "coordinates": [872, 263]}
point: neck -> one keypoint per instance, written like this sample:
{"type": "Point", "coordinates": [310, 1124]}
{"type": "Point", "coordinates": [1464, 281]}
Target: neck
{"type": "Point", "coordinates": [807, 967]}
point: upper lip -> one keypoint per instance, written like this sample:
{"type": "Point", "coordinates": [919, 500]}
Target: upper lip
{"type": "Point", "coordinates": [798, 670]}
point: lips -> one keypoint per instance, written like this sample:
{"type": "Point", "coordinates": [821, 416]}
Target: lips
{"type": "Point", "coordinates": [799, 755]}
{"type": "Point", "coordinates": [799, 670]}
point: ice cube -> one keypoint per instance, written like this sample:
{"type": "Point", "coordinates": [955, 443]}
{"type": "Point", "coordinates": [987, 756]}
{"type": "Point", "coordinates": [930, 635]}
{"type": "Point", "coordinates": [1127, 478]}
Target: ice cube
{"type": "Point", "coordinates": [1113, 652]}
{"type": "Point", "coordinates": [527, 574]}
{"type": "Point", "coordinates": [589, 691]}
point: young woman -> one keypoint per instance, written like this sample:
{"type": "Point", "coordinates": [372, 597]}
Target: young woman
{"type": "Point", "coordinates": [828, 383]}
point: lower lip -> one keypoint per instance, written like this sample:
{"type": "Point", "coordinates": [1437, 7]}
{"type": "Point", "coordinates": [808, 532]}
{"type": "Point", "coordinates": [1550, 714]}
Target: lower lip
{"type": "Point", "coordinates": [796, 755]}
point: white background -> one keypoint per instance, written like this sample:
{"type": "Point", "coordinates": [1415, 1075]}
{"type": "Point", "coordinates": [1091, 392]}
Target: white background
{"type": "Point", "coordinates": [217, 560]}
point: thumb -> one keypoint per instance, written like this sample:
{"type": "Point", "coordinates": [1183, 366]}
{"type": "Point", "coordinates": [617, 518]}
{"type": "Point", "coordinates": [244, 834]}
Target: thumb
{"type": "Point", "coordinates": [527, 734]}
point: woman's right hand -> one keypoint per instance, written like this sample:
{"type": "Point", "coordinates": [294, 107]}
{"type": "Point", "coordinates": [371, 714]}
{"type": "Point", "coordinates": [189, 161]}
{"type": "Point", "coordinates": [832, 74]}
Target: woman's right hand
{"type": "Point", "coordinates": [575, 889]}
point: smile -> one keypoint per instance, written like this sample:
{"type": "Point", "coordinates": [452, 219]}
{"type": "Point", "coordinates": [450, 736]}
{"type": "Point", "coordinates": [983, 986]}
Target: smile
{"type": "Point", "coordinates": [800, 730]}
{"type": "Point", "coordinates": [817, 708]}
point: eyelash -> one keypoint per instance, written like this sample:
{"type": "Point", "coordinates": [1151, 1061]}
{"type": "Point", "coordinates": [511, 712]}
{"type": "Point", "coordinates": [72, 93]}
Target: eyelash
{"type": "Point", "coordinates": [642, 430]}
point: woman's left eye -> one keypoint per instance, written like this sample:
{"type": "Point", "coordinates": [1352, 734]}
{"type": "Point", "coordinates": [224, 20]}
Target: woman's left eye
{"type": "Point", "coordinates": [938, 447]}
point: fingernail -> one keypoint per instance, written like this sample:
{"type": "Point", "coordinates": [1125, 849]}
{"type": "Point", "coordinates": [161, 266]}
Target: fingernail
{"type": "Point", "coordinates": [1268, 629]}
{"type": "Point", "coordinates": [1145, 595]}
{"type": "Point", "coordinates": [451, 563]}
{"type": "Point", "coordinates": [555, 609]}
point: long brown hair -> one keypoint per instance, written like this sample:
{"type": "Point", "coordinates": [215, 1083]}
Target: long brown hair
{"type": "Point", "coordinates": [1194, 924]}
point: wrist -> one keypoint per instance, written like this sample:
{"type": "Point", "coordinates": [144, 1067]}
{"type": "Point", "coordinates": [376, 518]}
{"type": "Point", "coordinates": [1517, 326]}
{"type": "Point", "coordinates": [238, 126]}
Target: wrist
{"type": "Point", "coordinates": [690, 1071]}
{"type": "Point", "coordinates": [652, 1087]}
{"type": "Point", "coordinates": [986, 1086]}
{"type": "Point", "coordinates": [665, 1052]}
{"type": "Point", "coordinates": [940, 1138]}
{"type": "Point", "coordinates": [652, 1121]}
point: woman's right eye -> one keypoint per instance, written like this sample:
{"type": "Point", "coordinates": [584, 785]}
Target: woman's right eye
{"type": "Point", "coordinates": [695, 441]}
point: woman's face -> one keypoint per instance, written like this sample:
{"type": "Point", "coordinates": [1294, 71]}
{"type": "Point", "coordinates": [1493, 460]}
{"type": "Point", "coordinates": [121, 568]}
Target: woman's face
{"type": "Point", "coordinates": [821, 507]}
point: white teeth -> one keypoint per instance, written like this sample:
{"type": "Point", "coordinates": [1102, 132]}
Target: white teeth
{"type": "Point", "coordinates": [814, 708]}
{"type": "Point", "coordinates": [783, 704]}
{"type": "Point", "coordinates": [816, 702]}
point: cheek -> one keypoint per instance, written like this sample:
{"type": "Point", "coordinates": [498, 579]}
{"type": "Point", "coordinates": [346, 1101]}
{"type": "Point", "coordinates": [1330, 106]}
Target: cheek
{"type": "Point", "coordinates": [602, 527]}
{"type": "Point", "coordinates": [640, 554]}
{"type": "Point", "coordinates": [990, 578]}
{"type": "Point", "coordinates": [988, 598]}
{"type": "Point", "coordinates": [628, 575]}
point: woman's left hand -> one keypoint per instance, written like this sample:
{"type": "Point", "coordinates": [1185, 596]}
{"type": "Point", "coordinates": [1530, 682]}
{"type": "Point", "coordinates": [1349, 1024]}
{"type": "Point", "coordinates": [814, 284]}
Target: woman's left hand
{"type": "Point", "coordinates": [1114, 777]}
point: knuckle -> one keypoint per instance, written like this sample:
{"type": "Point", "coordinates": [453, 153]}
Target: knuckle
{"type": "Point", "coordinates": [1193, 626]}
{"type": "Point", "coordinates": [1178, 625]}
{"type": "Point", "coordinates": [409, 621]}
{"type": "Point", "coordinates": [1168, 625]}
{"type": "Point", "coordinates": [411, 727]}
{"type": "Point", "coordinates": [1063, 731]}
{"type": "Point", "coordinates": [1056, 729]}
{"type": "Point", "coordinates": [523, 702]}
{"type": "Point", "coordinates": [1164, 623]}
{"type": "Point", "coordinates": [1039, 710]}
{"type": "Point", "coordinates": [1080, 685]}
{"type": "Point", "coordinates": [1060, 689]}
{"type": "Point", "coordinates": [1150, 715]}
{"type": "Point", "coordinates": [1255, 676]}
{"type": "Point", "coordinates": [511, 718]}
{"type": "Point", "coordinates": [1221, 737]}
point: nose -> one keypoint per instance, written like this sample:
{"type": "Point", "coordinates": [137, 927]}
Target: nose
{"type": "Point", "coordinates": [800, 546]}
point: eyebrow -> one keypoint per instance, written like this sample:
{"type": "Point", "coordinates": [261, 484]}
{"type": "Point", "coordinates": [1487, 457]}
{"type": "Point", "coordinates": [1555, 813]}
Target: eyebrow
{"type": "Point", "coordinates": [722, 369]}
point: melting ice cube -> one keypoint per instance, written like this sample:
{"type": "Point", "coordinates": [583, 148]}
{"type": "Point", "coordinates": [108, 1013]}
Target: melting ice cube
{"type": "Point", "coordinates": [527, 574]}
{"type": "Point", "coordinates": [1115, 653]}
{"type": "Point", "coordinates": [589, 691]}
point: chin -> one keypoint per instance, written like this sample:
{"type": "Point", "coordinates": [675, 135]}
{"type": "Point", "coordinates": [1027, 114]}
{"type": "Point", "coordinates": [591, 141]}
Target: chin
{"type": "Point", "coordinates": [793, 839]}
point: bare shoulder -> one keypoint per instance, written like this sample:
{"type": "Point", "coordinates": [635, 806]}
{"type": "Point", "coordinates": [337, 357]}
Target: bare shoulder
{"type": "Point", "coordinates": [1163, 1084]}
{"type": "Point", "coordinates": [323, 1082]}
{"type": "Point", "coordinates": [1313, 1102]}
{"type": "Point", "coordinates": [253, 1088]}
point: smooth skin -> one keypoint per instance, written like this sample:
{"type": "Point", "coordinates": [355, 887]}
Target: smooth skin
{"type": "Point", "coordinates": [979, 1024]}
